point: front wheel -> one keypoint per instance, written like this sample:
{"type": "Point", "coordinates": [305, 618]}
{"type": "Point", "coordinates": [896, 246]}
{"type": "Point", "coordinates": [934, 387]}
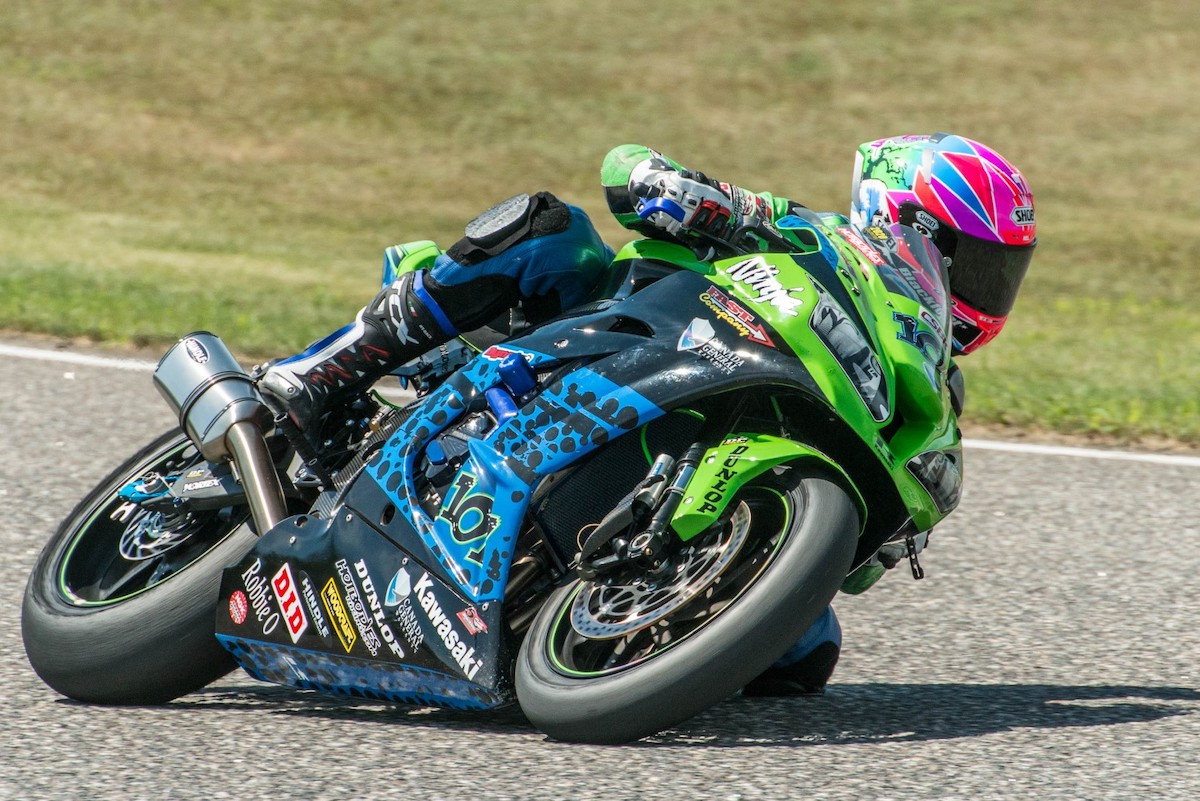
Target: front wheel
{"type": "Point", "coordinates": [622, 657]}
{"type": "Point", "coordinates": [120, 607]}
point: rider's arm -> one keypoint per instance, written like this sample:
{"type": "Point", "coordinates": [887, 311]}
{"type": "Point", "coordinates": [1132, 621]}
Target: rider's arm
{"type": "Point", "coordinates": [656, 196]}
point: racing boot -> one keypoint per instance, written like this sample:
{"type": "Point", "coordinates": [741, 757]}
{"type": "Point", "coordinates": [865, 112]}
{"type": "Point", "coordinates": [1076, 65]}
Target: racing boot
{"type": "Point", "coordinates": [401, 323]}
{"type": "Point", "coordinates": [807, 665]}
{"type": "Point", "coordinates": [531, 250]}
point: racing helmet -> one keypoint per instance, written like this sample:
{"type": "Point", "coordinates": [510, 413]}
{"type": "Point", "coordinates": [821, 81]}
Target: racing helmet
{"type": "Point", "coordinates": [971, 202]}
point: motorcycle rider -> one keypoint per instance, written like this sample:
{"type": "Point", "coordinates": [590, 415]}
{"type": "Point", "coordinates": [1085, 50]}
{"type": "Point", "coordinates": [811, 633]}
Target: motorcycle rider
{"type": "Point", "coordinates": [544, 256]}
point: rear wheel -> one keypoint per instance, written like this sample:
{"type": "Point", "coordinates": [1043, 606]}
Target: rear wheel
{"type": "Point", "coordinates": [625, 656]}
{"type": "Point", "coordinates": [119, 608]}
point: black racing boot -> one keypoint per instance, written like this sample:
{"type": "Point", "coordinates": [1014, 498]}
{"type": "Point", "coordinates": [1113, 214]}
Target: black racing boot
{"type": "Point", "coordinates": [806, 677]}
{"type": "Point", "coordinates": [806, 667]}
{"type": "Point", "coordinates": [402, 323]}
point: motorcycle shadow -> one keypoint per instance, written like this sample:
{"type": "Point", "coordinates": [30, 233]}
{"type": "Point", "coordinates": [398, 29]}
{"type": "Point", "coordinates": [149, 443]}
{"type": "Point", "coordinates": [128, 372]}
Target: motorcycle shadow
{"type": "Point", "coordinates": [855, 714]}
{"type": "Point", "coordinates": [847, 714]}
{"type": "Point", "coordinates": [233, 694]}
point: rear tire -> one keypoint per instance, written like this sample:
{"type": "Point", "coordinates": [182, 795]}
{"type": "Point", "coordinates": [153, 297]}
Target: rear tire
{"type": "Point", "coordinates": [149, 636]}
{"type": "Point", "coordinates": [569, 701]}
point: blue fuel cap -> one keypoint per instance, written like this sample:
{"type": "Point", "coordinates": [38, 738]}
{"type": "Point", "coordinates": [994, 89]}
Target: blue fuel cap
{"type": "Point", "coordinates": [517, 375]}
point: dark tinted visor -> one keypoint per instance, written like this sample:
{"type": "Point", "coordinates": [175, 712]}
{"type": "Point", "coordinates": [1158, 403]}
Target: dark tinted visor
{"type": "Point", "coordinates": [987, 275]}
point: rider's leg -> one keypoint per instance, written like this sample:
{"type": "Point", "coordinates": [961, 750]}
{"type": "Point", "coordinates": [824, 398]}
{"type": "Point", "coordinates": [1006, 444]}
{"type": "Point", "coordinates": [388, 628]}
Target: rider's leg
{"type": "Point", "coordinates": [807, 665]}
{"type": "Point", "coordinates": [537, 251]}
{"type": "Point", "coordinates": [401, 323]}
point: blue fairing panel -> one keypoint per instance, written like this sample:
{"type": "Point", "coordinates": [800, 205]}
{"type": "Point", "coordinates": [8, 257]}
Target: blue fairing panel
{"type": "Point", "coordinates": [345, 675]}
{"type": "Point", "coordinates": [473, 536]}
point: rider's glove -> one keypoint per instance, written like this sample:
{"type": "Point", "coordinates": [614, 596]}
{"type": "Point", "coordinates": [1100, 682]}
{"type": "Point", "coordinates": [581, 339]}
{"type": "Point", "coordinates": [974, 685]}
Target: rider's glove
{"type": "Point", "coordinates": [687, 203]}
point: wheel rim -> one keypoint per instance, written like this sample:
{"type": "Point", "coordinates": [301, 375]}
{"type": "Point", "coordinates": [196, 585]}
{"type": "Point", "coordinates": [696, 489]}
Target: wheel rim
{"type": "Point", "coordinates": [599, 629]}
{"type": "Point", "coordinates": [120, 550]}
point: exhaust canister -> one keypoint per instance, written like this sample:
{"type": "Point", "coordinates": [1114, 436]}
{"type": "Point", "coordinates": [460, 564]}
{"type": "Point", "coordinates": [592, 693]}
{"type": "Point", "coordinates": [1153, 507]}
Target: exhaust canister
{"type": "Point", "coordinates": [209, 391]}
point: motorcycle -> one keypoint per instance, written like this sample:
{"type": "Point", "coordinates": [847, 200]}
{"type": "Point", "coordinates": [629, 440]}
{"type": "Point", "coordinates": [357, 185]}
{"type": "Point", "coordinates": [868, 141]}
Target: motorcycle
{"type": "Point", "coordinates": [614, 519]}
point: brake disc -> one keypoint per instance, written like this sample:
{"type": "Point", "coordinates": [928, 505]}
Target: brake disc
{"type": "Point", "coordinates": [611, 608]}
{"type": "Point", "coordinates": [150, 534]}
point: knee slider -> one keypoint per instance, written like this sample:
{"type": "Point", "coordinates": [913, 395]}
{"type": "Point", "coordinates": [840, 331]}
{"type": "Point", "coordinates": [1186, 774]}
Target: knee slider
{"type": "Point", "coordinates": [510, 222]}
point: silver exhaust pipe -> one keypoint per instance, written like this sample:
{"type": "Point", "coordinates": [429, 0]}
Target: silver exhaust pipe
{"type": "Point", "coordinates": [220, 410]}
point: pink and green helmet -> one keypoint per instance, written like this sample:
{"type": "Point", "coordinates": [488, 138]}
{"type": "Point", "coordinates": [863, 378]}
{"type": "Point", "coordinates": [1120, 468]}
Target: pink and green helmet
{"type": "Point", "coordinates": [975, 206]}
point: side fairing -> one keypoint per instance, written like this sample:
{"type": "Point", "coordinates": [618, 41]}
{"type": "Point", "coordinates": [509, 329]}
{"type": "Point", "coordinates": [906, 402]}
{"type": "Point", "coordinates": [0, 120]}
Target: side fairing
{"type": "Point", "coordinates": [617, 370]}
{"type": "Point", "coordinates": [899, 276]}
{"type": "Point", "coordinates": [867, 314]}
{"type": "Point", "coordinates": [334, 605]}
{"type": "Point", "coordinates": [471, 534]}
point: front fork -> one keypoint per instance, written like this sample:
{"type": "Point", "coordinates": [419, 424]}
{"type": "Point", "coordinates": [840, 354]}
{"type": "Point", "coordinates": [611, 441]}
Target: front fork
{"type": "Point", "coordinates": [688, 497]}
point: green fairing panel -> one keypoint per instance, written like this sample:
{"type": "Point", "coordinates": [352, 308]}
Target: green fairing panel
{"type": "Point", "coordinates": [916, 355]}
{"type": "Point", "coordinates": [794, 292]}
{"type": "Point", "coordinates": [729, 466]}
{"type": "Point", "coordinates": [666, 252]}
{"type": "Point", "coordinates": [916, 345]}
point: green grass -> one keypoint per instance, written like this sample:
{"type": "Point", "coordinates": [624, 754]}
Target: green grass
{"type": "Point", "coordinates": [240, 167]}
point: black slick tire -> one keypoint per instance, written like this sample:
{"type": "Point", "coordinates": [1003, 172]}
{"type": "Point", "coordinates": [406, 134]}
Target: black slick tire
{"type": "Point", "coordinates": [149, 648]}
{"type": "Point", "coordinates": [716, 660]}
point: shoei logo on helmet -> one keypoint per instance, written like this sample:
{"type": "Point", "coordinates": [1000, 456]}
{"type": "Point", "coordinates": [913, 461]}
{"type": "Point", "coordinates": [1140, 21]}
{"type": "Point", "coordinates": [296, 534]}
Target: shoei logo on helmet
{"type": "Point", "coordinates": [928, 220]}
{"type": "Point", "coordinates": [197, 352]}
{"type": "Point", "coordinates": [1022, 215]}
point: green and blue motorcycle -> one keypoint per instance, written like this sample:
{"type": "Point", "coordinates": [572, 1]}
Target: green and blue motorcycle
{"type": "Point", "coordinates": [615, 519]}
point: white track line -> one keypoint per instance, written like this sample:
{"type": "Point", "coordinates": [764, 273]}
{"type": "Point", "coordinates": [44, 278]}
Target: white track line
{"type": "Point", "coordinates": [1082, 453]}
{"type": "Point", "coordinates": [68, 357]}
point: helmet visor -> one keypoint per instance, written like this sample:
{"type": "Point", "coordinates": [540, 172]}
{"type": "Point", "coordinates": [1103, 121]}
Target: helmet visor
{"type": "Point", "coordinates": [987, 275]}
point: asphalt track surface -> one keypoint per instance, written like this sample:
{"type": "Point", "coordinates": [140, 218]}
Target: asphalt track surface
{"type": "Point", "coordinates": [1051, 653]}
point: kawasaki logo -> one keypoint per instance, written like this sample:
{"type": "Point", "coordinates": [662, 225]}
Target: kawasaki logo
{"type": "Point", "coordinates": [463, 655]}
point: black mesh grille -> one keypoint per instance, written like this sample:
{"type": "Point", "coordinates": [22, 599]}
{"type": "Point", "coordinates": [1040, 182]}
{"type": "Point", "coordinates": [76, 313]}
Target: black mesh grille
{"type": "Point", "coordinates": [599, 483]}
{"type": "Point", "coordinates": [387, 424]}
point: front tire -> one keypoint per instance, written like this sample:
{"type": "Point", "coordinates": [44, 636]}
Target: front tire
{"type": "Point", "coordinates": [119, 608]}
{"type": "Point", "coordinates": [605, 686]}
